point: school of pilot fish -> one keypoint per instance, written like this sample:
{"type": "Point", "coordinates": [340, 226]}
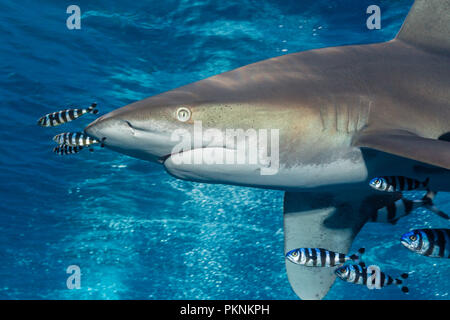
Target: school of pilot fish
{"type": "Point", "coordinates": [69, 142]}
{"type": "Point", "coordinates": [427, 242]}
{"type": "Point", "coordinates": [350, 268]}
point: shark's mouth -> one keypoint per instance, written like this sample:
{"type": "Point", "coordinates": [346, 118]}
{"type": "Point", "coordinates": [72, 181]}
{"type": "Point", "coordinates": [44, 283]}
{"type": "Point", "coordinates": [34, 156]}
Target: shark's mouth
{"type": "Point", "coordinates": [164, 158]}
{"type": "Point", "coordinates": [167, 156]}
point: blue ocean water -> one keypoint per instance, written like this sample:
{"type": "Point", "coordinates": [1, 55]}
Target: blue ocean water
{"type": "Point", "coordinates": [136, 232]}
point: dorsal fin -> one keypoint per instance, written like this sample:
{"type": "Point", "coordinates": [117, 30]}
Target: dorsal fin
{"type": "Point", "coordinates": [428, 25]}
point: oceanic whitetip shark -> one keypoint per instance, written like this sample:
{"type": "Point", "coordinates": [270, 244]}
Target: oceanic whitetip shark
{"type": "Point", "coordinates": [345, 115]}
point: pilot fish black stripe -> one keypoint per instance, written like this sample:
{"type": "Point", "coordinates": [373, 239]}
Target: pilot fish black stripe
{"type": "Point", "coordinates": [392, 181]}
{"type": "Point", "coordinates": [71, 114]}
{"type": "Point", "coordinates": [401, 181]}
{"type": "Point", "coordinates": [57, 118]}
{"type": "Point", "coordinates": [395, 210]}
{"type": "Point", "coordinates": [358, 273]}
{"type": "Point", "coordinates": [319, 257]}
{"type": "Point", "coordinates": [331, 258]}
{"type": "Point", "coordinates": [403, 207]}
{"type": "Point", "coordinates": [430, 233]}
{"type": "Point", "coordinates": [391, 211]}
{"type": "Point", "coordinates": [65, 149]}
{"type": "Point", "coordinates": [440, 242]}
{"type": "Point", "coordinates": [74, 139]}
{"type": "Point", "coordinates": [323, 257]}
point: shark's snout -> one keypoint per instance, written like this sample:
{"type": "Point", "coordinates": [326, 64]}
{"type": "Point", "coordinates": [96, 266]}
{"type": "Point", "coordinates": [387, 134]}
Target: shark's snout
{"type": "Point", "coordinates": [92, 129]}
{"type": "Point", "coordinates": [103, 127]}
{"type": "Point", "coordinates": [126, 135]}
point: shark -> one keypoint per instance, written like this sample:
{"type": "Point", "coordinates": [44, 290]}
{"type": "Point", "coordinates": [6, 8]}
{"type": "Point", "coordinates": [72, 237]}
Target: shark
{"type": "Point", "coordinates": [344, 115]}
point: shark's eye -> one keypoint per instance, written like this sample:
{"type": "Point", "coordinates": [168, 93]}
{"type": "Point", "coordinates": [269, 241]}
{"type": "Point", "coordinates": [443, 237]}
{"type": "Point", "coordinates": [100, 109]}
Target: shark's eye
{"type": "Point", "coordinates": [413, 237]}
{"type": "Point", "coordinates": [183, 114]}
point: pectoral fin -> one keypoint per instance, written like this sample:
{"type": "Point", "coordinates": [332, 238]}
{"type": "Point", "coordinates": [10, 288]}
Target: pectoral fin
{"type": "Point", "coordinates": [318, 221]}
{"type": "Point", "coordinates": [408, 145]}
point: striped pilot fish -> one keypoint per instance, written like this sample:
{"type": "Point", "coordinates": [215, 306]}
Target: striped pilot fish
{"type": "Point", "coordinates": [65, 149]}
{"type": "Point", "coordinates": [397, 183]}
{"type": "Point", "coordinates": [318, 257]}
{"type": "Point", "coordinates": [57, 118]}
{"type": "Point", "coordinates": [359, 274]}
{"type": "Point", "coordinates": [74, 139]}
{"type": "Point", "coordinates": [428, 242]}
{"type": "Point", "coordinates": [403, 207]}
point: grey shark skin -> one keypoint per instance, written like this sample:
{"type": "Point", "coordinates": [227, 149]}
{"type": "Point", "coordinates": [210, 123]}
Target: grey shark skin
{"type": "Point", "coordinates": [345, 114]}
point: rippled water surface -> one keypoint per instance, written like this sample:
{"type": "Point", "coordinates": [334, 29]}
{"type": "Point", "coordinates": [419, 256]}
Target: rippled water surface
{"type": "Point", "coordinates": [135, 231]}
